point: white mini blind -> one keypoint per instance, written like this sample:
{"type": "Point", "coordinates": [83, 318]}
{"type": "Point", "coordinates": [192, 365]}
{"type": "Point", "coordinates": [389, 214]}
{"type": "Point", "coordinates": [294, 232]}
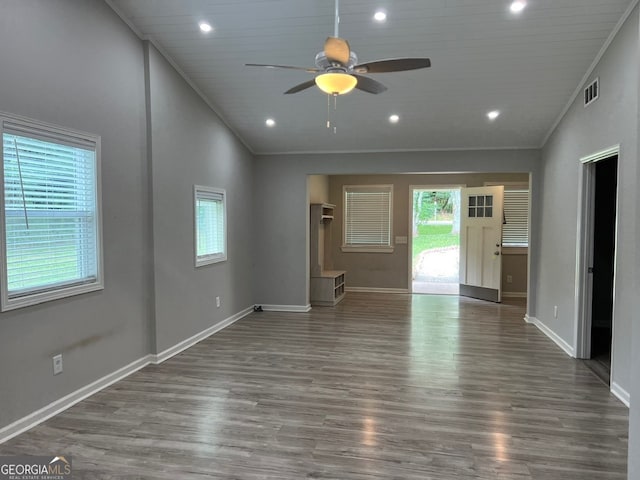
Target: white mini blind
{"type": "Point", "coordinates": [210, 225]}
{"type": "Point", "coordinates": [50, 195]}
{"type": "Point", "coordinates": [515, 231]}
{"type": "Point", "coordinates": [368, 216]}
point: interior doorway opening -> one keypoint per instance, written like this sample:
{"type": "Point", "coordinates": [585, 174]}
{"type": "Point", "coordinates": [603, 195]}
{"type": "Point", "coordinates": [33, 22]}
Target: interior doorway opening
{"type": "Point", "coordinates": [598, 230]}
{"type": "Point", "coordinates": [435, 252]}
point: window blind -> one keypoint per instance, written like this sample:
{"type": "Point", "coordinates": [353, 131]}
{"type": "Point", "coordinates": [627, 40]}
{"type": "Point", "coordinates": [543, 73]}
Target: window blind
{"type": "Point", "coordinates": [515, 232]}
{"type": "Point", "coordinates": [50, 191]}
{"type": "Point", "coordinates": [368, 216]}
{"type": "Point", "coordinates": [210, 224]}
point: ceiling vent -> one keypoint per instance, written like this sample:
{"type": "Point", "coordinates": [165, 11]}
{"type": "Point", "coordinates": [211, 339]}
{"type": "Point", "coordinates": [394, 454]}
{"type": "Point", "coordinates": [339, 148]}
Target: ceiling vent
{"type": "Point", "coordinates": [592, 92]}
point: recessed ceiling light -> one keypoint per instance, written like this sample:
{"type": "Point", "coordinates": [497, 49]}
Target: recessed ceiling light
{"type": "Point", "coordinates": [394, 118]}
{"type": "Point", "coordinates": [270, 122]}
{"type": "Point", "coordinates": [517, 6]}
{"type": "Point", "coordinates": [492, 115]}
{"type": "Point", "coordinates": [205, 27]}
{"type": "Point", "coordinates": [380, 16]}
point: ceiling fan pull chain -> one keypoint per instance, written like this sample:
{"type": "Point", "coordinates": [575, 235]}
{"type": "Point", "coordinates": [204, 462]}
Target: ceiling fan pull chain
{"type": "Point", "coordinates": [328, 111]}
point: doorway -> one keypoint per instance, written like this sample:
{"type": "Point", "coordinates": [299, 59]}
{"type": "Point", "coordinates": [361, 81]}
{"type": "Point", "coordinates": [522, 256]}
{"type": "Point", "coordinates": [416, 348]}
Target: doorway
{"type": "Point", "coordinates": [604, 240]}
{"type": "Point", "coordinates": [435, 240]}
{"type": "Point", "coordinates": [601, 194]}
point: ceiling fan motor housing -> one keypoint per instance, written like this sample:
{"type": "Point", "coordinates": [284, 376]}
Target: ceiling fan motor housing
{"type": "Point", "coordinates": [324, 64]}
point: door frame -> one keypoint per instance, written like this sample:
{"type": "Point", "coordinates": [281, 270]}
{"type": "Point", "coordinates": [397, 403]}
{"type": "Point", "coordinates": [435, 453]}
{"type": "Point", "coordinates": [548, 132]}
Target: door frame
{"type": "Point", "coordinates": [412, 188]}
{"type": "Point", "coordinates": [584, 252]}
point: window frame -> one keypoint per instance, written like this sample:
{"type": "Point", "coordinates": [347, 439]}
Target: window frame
{"type": "Point", "coordinates": [62, 135]}
{"type": "Point", "coordinates": [367, 248]}
{"type": "Point", "coordinates": [203, 260]}
{"type": "Point", "coordinates": [516, 248]}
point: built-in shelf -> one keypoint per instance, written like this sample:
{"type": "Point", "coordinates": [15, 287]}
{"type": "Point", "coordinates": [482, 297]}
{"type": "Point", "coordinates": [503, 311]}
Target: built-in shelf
{"type": "Point", "coordinates": [327, 285]}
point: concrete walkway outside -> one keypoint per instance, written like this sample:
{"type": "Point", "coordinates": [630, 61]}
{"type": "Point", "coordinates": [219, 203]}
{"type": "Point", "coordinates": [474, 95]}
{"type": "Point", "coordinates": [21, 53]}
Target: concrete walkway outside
{"type": "Point", "coordinates": [436, 271]}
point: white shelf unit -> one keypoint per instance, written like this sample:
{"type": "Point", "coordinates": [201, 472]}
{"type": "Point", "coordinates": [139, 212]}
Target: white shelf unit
{"type": "Point", "coordinates": [327, 285]}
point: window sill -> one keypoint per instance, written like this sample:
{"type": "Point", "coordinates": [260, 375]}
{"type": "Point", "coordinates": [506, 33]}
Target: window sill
{"type": "Point", "coordinates": [202, 261]}
{"type": "Point", "coordinates": [367, 249]}
{"type": "Point", "coordinates": [47, 296]}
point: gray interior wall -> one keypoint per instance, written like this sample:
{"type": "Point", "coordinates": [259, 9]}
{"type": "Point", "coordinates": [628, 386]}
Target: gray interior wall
{"type": "Point", "coordinates": [74, 63]}
{"type": "Point", "coordinates": [634, 413]}
{"type": "Point", "coordinates": [282, 214]}
{"type": "Point", "coordinates": [583, 131]}
{"type": "Point", "coordinates": [191, 145]}
{"type": "Point", "coordinates": [391, 270]}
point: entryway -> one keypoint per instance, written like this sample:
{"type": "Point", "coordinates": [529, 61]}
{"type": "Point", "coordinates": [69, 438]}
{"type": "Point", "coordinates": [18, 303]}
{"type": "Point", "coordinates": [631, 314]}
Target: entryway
{"type": "Point", "coordinates": [435, 242]}
{"type": "Point", "coordinates": [599, 246]}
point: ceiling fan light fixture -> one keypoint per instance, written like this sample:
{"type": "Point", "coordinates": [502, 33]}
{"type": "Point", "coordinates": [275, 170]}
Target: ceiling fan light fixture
{"type": "Point", "coordinates": [335, 83]}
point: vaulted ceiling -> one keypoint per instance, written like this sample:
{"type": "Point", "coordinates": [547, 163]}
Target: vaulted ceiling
{"type": "Point", "coordinates": [484, 58]}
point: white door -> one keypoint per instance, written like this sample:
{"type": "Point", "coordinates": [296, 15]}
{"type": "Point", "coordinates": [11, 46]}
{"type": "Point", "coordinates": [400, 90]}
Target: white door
{"type": "Point", "coordinates": [480, 242]}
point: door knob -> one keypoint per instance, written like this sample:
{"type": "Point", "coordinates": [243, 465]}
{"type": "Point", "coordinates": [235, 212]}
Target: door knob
{"type": "Point", "coordinates": [496, 253]}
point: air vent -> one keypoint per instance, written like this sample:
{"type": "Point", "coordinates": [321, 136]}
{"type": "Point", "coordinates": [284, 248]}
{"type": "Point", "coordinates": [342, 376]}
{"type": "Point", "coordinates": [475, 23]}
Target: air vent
{"type": "Point", "coordinates": [592, 92]}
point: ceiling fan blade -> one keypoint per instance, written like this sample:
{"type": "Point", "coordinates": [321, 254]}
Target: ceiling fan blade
{"type": "Point", "coordinates": [369, 85]}
{"type": "Point", "coordinates": [337, 49]}
{"type": "Point", "coordinates": [305, 69]}
{"type": "Point", "coordinates": [392, 65]}
{"type": "Point", "coordinates": [300, 87]}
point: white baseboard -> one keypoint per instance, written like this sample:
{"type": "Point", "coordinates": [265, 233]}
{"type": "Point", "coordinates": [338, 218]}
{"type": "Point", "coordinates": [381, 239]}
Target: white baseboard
{"type": "Point", "coordinates": [514, 294]}
{"type": "Point", "coordinates": [621, 393]}
{"type": "Point", "coordinates": [287, 308]}
{"type": "Point", "coordinates": [60, 405]}
{"type": "Point", "coordinates": [54, 408]}
{"type": "Point", "coordinates": [569, 350]}
{"type": "Point", "coordinates": [198, 337]}
{"type": "Point", "coordinates": [375, 290]}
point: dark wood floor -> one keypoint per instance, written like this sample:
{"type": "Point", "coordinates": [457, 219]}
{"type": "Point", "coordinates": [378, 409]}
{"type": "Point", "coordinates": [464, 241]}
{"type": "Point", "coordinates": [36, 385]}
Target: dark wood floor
{"type": "Point", "coordinates": [380, 387]}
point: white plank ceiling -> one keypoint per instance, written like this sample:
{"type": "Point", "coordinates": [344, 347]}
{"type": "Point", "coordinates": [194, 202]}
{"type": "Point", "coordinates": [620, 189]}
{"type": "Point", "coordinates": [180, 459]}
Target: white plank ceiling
{"type": "Point", "coordinates": [483, 58]}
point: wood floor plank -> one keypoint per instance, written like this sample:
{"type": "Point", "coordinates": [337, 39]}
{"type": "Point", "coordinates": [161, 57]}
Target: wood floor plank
{"type": "Point", "coordinates": [378, 387]}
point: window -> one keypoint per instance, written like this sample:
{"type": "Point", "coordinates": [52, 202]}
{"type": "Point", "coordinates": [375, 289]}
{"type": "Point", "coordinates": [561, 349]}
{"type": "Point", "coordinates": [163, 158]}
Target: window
{"type": "Point", "coordinates": [480, 206]}
{"type": "Point", "coordinates": [367, 218]}
{"type": "Point", "coordinates": [515, 230]}
{"type": "Point", "coordinates": [210, 225]}
{"type": "Point", "coordinates": [50, 215]}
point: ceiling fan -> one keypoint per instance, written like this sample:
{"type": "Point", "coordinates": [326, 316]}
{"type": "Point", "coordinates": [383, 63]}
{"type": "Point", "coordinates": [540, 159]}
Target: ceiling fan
{"type": "Point", "coordinates": [338, 72]}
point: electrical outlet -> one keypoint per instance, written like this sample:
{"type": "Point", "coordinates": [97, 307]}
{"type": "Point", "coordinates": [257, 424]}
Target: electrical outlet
{"type": "Point", "coordinates": [218, 302]}
{"type": "Point", "coordinates": [509, 279]}
{"type": "Point", "coordinates": [57, 364]}
{"type": "Point", "coordinates": [555, 311]}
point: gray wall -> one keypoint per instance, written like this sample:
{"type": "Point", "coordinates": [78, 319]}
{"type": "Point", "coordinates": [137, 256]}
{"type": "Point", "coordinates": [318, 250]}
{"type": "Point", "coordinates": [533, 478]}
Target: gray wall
{"type": "Point", "coordinates": [75, 64]}
{"type": "Point", "coordinates": [281, 210]}
{"type": "Point", "coordinates": [611, 120]}
{"type": "Point", "coordinates": [190, 145]}
{"type": "Point", "coordinates": [634, 414]}
{"type": "Point", "coordinates": [391, 270]}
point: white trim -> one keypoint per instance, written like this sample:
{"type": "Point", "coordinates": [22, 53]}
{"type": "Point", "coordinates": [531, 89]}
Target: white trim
{"type": "Point", "coordinates": [376, 290]}
{"type": "Point", "coordinates": [621, 393]}
{"type": "Point", "coordinates": [606, 153]}
{"type": "Point", "coordinates": [62, 404]}
{"type": "Point", "coordinates": [568, 349]}
{"type": "Point", "coordinates": [68, 136]}
{"type": "Point", "coordinates": [584, 251]}
{"type": "Point", "coordinates": [204, 192]}
{"type": "Point", "coordinates": [580, 88]}
{"type": "Point", "coordinates": [198, 337]}
{"type": "Point", "coordinates": [514, 294]}
{"type": "Point", "coordinates": [399, 150]}
{"type": "Point", "coordinates": [287, 308]}
{"type": "Point", "coordinates": [58, 406]}
{"type": "Point", "coordinates": [365, 249]}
